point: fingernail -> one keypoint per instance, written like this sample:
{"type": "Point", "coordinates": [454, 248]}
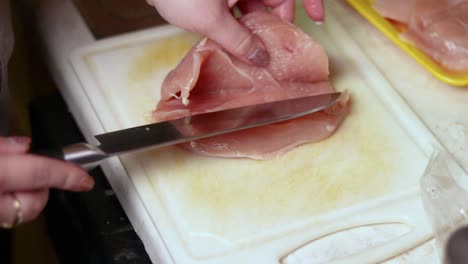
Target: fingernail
{"type": "Point", "coordinates": [87, 184]}
{"type": "Point", "coordinates": [320, 19]}
{"type": "Point", "coordinates": [19, 140]}
{"type": "Point", "coordinates": [259, 57]}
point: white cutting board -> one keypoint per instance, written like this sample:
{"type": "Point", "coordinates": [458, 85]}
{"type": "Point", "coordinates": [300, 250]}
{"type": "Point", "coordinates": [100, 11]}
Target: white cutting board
{"type": "Point", "coordinates": [441, 106]}
{"type": "Point", "coordinates": [209, 210]}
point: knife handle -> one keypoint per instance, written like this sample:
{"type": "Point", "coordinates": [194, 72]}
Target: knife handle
{"type": "Point", "coordinates": [82, 154]}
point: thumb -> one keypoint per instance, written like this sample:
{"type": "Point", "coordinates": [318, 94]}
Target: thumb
{"type": "Point", "coordinates": [225, 30]}
{"type": "Point", "coordinates": [14, 144]}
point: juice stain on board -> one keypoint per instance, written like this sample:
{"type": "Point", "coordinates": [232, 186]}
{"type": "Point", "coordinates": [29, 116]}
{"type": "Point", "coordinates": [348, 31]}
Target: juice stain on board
{"type": "Point", "coordinates": [161, 55]}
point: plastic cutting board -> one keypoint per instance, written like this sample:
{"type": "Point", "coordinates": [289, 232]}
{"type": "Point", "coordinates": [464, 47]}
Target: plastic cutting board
{"type": "Point", "coordinates": [209, 210]}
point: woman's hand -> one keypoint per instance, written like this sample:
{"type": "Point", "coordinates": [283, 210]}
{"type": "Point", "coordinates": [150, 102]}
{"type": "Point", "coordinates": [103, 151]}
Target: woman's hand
{"type": "Point", "coordinates": [213, 19]}
{"type": "Point", "coordinates": [25, 180]}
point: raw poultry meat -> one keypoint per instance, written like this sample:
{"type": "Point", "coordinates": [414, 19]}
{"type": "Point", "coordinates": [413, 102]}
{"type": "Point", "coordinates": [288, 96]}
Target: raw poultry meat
{"type": "Point", "coordinates": [270, 141]}
{"type": "Point", "coordinates": [438, 27]}
{"type": "Point", "coordinates": [208, 79]}
{"type": "Point", "coordinates": [398, 10]}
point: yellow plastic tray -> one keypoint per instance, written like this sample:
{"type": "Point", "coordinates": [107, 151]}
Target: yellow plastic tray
{"type": "Point", "coordinates": [364, 7]}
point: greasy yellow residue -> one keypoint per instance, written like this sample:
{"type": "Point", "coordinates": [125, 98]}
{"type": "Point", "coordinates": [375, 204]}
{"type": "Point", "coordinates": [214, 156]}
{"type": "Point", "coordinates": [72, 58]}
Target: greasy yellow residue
{"type": "Point", "coordinates": [161, 55]}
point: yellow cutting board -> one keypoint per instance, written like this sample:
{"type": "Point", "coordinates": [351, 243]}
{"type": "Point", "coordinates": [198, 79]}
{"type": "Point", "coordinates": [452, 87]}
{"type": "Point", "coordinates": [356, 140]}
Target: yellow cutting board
{"type": "Point", "coordinates": [212, 210]}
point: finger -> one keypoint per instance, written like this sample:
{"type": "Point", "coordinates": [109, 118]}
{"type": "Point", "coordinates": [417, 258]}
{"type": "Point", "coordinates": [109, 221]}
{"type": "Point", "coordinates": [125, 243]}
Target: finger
{"type": "Point", "coordinates": [7, 210]}
{"type": "Point", "coordinates": [31, 205]}
{"type": "Point", "coordinates": [29, 172]}
{"type": "Point", "coordinates": [315, 9]}
{"type": "Point", "coordinates": [225, 30]}
{"type": "Point", "coordinates": [249, 6]}
{"type": "Point", "coordinates": [14, 144]}
{"type": "Point", "coordinates": [285, 10]}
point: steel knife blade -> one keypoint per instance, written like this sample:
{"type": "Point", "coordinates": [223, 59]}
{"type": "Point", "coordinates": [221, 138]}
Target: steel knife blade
{"type": "Point", "coordinates": [190, 128]}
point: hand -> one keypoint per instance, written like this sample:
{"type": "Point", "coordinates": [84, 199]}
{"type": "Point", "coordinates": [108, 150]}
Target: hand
{"type": "Point", "coordinates": [213, 19]}
{"type": "Point", "coordinates": [26, 179]}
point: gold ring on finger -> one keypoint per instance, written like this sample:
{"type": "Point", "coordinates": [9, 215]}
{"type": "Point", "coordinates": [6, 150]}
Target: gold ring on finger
{"type": "Point", "coordinates": [18, 214]}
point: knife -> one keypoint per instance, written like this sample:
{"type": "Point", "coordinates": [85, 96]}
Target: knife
{"type": "Point", "coordinates": [189, 128]}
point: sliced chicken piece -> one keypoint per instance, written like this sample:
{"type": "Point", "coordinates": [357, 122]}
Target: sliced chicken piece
{"type": "Point", "coordinates": [438, 27]}
{"type": "Point", "coordinates": [398, 10]}
{"type": "Point", "coordinates": [208, 79]}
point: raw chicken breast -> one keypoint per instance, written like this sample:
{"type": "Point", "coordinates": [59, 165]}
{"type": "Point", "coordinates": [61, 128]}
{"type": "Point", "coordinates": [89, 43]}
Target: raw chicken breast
{"type": "Point", "coordinates": [208, 79]}
{"type": "Point", "coordinates": [438, 27]}
{"type": "Point", "coordinates": [270, 141]}
{"type": "Point", "coordinates": [398, 10]}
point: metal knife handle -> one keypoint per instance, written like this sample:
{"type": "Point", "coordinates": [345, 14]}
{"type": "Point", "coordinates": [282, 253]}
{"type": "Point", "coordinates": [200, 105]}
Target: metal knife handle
{"type": "Point", "coordinates": [82, 154]}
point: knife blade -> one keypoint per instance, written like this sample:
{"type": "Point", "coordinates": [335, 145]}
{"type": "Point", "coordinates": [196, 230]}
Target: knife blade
{"type": "Point", "coordinates": [176, 131]}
